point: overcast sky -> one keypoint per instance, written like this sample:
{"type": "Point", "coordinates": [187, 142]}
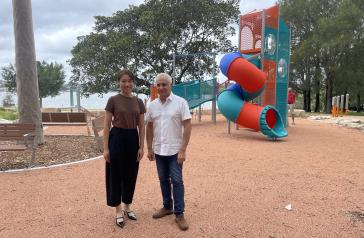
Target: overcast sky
{"type": "Point", "coordinates": [58, 23]}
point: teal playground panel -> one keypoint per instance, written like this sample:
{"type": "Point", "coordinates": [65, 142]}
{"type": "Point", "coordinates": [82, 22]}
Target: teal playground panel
{"type": "Point", "coordinates": [196, 92]}
{"type": "Point", "coordinates": [284, 41]}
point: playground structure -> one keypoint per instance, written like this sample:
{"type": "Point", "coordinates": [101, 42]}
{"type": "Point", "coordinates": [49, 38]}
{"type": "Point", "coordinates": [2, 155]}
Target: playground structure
{"type": "Point", "coordinates": [338, 108]}
{"type": "Point", "coordinates": [260, 68]}
{"type": "Point", "coordinates": [196, 93]}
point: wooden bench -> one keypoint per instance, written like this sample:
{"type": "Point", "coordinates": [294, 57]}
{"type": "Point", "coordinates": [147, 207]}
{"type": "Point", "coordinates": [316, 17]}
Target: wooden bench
{"type": "Point", "coordinates": [18, 137]}
{"type": "Point", "coordinates": [98, 127]}
{"type": "Point", "coordinates": [64, 118]}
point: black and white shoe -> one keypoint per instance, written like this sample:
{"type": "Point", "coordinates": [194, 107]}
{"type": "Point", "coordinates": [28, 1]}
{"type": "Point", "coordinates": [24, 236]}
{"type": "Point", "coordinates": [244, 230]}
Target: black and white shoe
{"type": "Point", "coordinates": [120, 220]}
{"type": "Point", "coordinates": [131, 215]}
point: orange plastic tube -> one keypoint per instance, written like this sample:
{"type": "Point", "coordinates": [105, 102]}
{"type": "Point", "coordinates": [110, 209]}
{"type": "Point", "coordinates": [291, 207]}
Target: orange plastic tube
{"type": "Point", "coordinates": [247, 75]}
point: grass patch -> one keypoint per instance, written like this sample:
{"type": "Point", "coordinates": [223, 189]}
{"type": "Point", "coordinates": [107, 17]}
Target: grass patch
{"type": "Point", "coordinates": [350, 113]}
{"type": "Point", "coordinates": [356, 113]}
{"type": "Point", "coordinates": [8, 114]}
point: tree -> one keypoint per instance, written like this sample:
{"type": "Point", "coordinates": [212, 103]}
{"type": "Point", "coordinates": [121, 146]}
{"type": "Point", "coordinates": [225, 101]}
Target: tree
{"type": "Point", "coordinates": [50, 79]}
{"type": "Point", "coordinates": [343, 35]}
{"type": "Point", "coordinates": [8, 100]}
{"type": "Point", "coordinates": [144, 39]}
{"type": "Point", "coordinates": [308, 56]}
{"type": "Point", "coordinates": [26, 70]}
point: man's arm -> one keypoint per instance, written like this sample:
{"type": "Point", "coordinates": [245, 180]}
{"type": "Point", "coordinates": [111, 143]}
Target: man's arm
{"type": "Point", "coordinates": [149, 136]}
{"type": "Point", "coordinates": [187, 128]}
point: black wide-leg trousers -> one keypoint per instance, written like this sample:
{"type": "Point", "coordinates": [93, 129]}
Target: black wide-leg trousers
{"type": "Point", "coordinates": [122, 170]}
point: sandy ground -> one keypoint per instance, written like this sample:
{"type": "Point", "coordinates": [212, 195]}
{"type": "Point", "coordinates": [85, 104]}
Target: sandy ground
{"type": "Point", "coordinates": [236, 185]}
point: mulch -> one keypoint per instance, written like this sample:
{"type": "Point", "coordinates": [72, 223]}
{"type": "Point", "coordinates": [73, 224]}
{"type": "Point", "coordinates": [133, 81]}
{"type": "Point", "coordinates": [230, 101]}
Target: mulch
{"type": "Point", "coordinates": [57, 149]}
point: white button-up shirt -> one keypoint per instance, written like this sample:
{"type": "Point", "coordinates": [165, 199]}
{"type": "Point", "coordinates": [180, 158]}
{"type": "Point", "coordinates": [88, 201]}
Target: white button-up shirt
{"type": "Point", "coordinates": [167, 120]}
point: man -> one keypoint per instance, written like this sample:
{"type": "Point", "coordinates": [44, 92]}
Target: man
{"type": "Point", "coordinates": [167, 144]}
{"type": "Point", "coordinates": [291, 102]}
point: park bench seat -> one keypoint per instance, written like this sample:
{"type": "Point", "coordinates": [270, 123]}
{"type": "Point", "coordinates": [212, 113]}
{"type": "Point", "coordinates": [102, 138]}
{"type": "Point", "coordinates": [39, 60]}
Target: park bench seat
{"type": "Point", "coordinates": [97, 127]}
{"type": "Point", "coordinates": [17, 137]}
{"type": "Point", "coordinates": [63, 118]}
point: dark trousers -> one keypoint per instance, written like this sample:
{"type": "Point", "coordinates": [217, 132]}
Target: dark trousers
{"type": "Point", "coordinates": [122, 170]}
{"type": "Point", "coordinates": [170, 174]}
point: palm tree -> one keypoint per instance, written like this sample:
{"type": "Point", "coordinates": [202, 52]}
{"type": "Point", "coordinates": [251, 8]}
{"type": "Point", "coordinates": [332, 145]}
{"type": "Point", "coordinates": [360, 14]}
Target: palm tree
{"type": "Point", "coordinates": [26, 70]}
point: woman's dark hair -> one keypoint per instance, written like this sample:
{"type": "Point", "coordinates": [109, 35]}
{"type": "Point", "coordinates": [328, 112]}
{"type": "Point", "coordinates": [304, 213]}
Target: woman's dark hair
{"type": "Point", "coordinates": [125, 72]}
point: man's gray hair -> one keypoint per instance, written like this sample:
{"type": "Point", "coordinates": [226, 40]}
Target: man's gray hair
{"type": "Point", "coordinates": [163, 75]}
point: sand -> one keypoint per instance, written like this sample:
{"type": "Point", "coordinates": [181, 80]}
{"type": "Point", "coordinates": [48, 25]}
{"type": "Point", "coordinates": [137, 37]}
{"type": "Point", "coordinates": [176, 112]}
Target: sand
{"type": "Point", "coordinates": [236, 185]}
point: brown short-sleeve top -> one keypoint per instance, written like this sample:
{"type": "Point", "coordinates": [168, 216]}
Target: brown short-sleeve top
{"type": "Point", "coordinates": [126, 111]}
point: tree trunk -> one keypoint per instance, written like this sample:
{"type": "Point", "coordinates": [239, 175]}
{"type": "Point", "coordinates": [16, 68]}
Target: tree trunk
{"type": "Point", "coordinates": [307, 100]}
{"type": "Point", "coordinates": [358, 104]}
{"type": "Point", "coordinates": [41, 102]}
{"type": "Point", "coordinates": [26, 68]}
{"type": "Point", "coordinates": [328, 93]}
{"type": "Point", "coordinates": [317, 102]}
{"type": "Point", "coordinates": [317, 87]}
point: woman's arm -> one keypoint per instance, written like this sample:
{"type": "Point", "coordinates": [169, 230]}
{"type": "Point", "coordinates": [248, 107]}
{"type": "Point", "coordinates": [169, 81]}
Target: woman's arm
{"type": "Point", "coordinates": [141, 136]}
{"type": "Point", "coordinates": [106, 131]}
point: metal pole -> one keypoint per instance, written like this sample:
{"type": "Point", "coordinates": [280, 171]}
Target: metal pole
{"type": "Point", "coordinates": [213, 111]}
{"type": "Point", "coordinates": [333, 103]}
{"type": "Point", "coordinates": [214, 88]}
{"type": "Point", "coordinates": [262, 51]}
{"type": "Point", "coordinates": [347, 104]}
{"type": "Point", "coordinates": [174, 69]}
{"type": "Point", "coordinates": [78, 100]}
{"type": "Point", "coordinates": [71, 99]}
{"type": "Point", "coordinates": [199, 113]}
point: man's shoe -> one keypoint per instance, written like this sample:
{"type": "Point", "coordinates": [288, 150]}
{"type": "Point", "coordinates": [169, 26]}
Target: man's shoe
{"type": "Point", "coordinates": [162, 213]}
{"type": "Point", "coordinates": [181, 222]}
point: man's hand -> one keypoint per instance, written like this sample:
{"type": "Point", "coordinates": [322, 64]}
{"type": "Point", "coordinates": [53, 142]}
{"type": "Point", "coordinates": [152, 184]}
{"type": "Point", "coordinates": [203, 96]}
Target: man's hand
{"type": "Point", "coordinates": [181, 156]}
{"type": "Point", "coordinates": [140, 154]}
{"type": "Point", "coordinates": [107, 155]}
{"type": "Point", "coordinates": [151, 155]}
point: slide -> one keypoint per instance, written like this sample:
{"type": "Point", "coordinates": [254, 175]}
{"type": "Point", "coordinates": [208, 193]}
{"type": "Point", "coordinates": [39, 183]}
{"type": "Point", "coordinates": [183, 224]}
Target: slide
{"type": "Point", "coordinates": [196, 92]}
{"type": "Point", "coordinates": [250, 82]}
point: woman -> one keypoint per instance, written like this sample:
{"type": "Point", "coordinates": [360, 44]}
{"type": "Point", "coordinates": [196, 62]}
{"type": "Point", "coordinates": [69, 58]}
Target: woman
{"type": "Point", "coordinates": [123, 146]}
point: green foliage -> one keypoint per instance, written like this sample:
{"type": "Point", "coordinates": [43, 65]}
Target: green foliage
{"type": "Point", "coordinates": [8, 75]}
{"type": "Point", "coordinates": [142, 89]}
{"type": "Point", "coordinates": [144, 39]}
{"type": "Point", "coordinates": [327, 48]}
{"type": "Point", "coordinates": [8, 114]}
{"type": "Point", "coordinates": [50, 78]}
{"type": "Point", "coordinates": [8, 100]}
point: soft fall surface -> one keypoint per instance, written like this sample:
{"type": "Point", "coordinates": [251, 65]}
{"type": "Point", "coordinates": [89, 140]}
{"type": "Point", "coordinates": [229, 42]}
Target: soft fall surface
{"type": "Point", "coordinates": [236, 185]}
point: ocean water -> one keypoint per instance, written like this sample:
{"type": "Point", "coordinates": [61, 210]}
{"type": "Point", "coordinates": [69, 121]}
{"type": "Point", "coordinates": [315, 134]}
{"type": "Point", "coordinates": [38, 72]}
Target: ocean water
{"type": "Point", "coordinates": [94, 101]}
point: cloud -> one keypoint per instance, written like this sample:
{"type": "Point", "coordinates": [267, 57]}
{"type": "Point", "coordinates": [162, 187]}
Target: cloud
{"type": "Point", "coordinates": [59, 41]}
{"type": "Point", "coordinates": [251, 5]}
{"type": "Point", "coordinates": [57, 24]}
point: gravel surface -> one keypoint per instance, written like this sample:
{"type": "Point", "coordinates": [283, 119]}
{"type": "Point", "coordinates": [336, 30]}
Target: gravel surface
{"type": "Point", "coordinates": [236, 185]}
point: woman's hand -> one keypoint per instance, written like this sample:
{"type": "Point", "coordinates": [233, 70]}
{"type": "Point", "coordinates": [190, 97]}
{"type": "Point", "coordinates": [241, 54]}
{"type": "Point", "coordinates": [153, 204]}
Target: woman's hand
{"type": "Point", "coordinates": [107, 155]}
{"type": "Point", "coordinates": [140, 154]}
